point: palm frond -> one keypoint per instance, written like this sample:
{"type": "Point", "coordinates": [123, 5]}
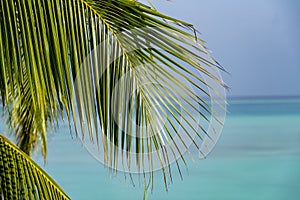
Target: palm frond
{"type": "Point", "coordinates": [138, 82]}
{"type": "Point", "coordinates": [22, 178]}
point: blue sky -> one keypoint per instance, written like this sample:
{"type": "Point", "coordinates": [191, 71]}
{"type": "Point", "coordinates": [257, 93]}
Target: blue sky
{"type": "Point", "coordinates": [257, 41]}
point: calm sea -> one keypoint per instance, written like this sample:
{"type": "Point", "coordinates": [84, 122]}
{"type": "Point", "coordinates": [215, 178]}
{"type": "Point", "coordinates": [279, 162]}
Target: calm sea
{"type": "Point", "coordinates": [257, 157]}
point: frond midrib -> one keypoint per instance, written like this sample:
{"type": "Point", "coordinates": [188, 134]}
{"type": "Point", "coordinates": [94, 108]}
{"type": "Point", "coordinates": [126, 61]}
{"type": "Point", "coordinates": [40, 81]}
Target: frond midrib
{"type": "Point", "coordinates": [16, 150]}
{"type": "Point", "coordinates": [110, 29]}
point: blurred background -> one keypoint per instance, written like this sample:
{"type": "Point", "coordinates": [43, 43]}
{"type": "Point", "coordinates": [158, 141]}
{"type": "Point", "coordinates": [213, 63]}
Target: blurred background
{"type": "Point", "coordinates": [256, 41]}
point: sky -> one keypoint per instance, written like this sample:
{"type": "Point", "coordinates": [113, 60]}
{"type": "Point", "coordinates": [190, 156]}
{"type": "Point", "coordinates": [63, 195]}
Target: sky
{"type": "Point", "coordinates": [257, 41]}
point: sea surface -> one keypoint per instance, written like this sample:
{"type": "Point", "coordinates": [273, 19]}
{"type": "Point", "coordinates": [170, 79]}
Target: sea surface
{"type": "Point", "coordinates": [256, 158]}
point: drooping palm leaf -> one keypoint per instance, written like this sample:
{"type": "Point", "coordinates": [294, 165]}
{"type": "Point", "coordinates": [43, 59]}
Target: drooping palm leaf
{"type": "Point", "coordinates": [22, 178]}
{"type": "Point", "coordinates": [132, 78]}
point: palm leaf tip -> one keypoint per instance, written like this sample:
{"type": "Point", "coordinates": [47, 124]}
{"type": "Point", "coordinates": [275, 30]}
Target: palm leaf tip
{"type": "Point", "coordinates": [158, 76]}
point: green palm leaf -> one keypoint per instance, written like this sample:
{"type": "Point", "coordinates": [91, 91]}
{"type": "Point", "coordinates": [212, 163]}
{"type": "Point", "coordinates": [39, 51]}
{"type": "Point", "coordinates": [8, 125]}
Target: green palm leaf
{"type": "Point", "coordinates": [22, 178]}
{"type": "Point", "coordinates": [131, 78]}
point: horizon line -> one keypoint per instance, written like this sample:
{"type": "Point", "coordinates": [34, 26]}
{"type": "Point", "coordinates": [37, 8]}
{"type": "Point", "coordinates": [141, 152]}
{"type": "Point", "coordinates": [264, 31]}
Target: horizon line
{"type": "Point", "coordinates": [262, 97]}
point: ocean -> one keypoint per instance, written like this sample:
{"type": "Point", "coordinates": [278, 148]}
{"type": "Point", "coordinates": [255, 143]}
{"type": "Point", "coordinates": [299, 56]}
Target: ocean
{"type": "Point", "coordinates": [257, 157]}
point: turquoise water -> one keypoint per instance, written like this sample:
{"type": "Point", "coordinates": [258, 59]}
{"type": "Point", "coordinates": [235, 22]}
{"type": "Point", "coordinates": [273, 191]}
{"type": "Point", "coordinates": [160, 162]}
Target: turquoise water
{"type": "Point", "coordinates": [257, 157]}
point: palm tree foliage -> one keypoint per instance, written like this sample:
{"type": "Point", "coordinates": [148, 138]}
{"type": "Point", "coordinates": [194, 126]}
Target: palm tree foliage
{"type": "Point", "coordinates": [94, 62]}
{"type": "Point", "coordinates": [21, 178]}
